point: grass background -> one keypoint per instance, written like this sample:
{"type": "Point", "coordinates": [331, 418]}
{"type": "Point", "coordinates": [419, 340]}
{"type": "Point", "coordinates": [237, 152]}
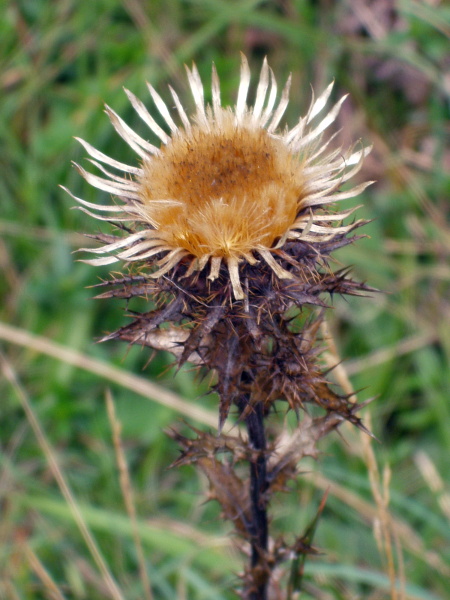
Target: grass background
{"type": "Point", "coordinates": [60, 62]}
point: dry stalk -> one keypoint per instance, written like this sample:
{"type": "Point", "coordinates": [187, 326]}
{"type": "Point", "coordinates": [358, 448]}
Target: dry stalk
{"type": "Point", "coordinates": [52, 590]}
{"type": "Point", "coordinates": [52, 461]}
{"type": "Point", "coordinates": [127, 492]}
{"type": "Point", "coordinates": [384, 531]}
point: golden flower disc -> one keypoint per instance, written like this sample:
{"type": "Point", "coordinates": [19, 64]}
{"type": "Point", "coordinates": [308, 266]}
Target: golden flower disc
{"type": "Point", "coordinates": [228, 189]}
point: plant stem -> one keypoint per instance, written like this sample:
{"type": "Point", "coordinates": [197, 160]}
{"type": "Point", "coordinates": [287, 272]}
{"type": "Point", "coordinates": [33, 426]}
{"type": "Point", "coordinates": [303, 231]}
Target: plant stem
{"type": "Point", "coordinates": [258, 486]}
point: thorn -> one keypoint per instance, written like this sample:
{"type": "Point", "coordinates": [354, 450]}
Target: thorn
{"type": "Point", "coordinates": [107, 338]}
{"type": "Point", "coordinates": [360, 425]}
{"type": "Point", "coordinates": [224, 410]}
{"type": "Point", "coordinates": [362, 405]}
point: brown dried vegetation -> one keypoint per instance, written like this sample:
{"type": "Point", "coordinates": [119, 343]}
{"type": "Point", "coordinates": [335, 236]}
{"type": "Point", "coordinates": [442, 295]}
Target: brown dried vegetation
{"type": "Point", "coordinates": [262, 349]}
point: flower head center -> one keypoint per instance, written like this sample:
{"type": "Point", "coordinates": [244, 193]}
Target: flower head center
{"type": "Point", "coordinates": [222, 190]}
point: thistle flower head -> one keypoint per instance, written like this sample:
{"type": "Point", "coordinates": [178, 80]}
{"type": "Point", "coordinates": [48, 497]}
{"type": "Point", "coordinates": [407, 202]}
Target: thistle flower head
{"type": "Point", "coordinates": [231, 221]}
{"type": "Point", "coordinates": [227, 188]}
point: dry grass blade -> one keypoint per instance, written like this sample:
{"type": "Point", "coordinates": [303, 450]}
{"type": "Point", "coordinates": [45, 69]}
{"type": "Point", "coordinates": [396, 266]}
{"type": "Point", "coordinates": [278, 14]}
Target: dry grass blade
{"type": "Point", "coordinates": [7, 590]}
{"type": "Point", "coordinates": [380, 490]}
{"type": "Point", "coordinates": [132, 382]}
{"type": "Point", "coordinates": [434, 481]}
{"type": "Point", "coordinates": [383, 355]}
{"type": "Point", "coordinates": [10, 376]}
{"type": "Point", "coordinates": [402, 530]}
{"type": "Point", "coordinates": [52, 590]}
{"type": "Point", "coordinates": [127, 492]}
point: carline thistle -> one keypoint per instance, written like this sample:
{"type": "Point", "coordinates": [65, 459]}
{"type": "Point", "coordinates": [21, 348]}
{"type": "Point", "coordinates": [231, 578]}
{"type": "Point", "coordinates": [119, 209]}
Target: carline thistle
{"type": "Point", "coordinates": [228, 225]}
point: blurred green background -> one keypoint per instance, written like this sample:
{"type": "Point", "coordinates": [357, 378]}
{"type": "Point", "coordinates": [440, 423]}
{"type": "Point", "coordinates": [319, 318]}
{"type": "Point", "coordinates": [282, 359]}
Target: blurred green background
{"type": "Point", "coordinates": [60, 62]}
